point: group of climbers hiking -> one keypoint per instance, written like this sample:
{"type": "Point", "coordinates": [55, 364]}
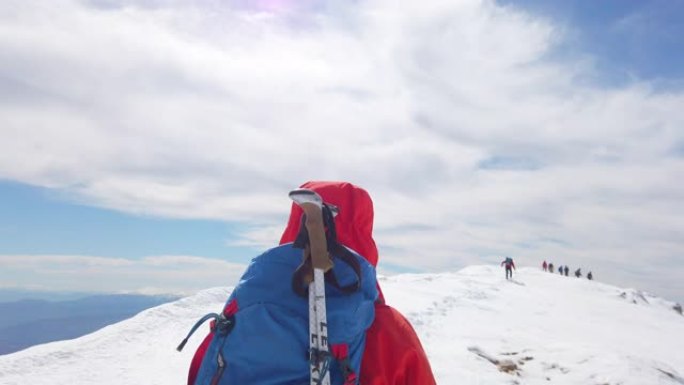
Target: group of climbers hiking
{"type": "Point", "coordinates": [250, 342]}
{"type": "Point", "coordinates": [565, 270]}
{"type": "Point", "coordinates": [509, 265]}
{"type": "Point", "coordinates": [550, 268]}
{"type": "Point", "coordinates": [578, 274]}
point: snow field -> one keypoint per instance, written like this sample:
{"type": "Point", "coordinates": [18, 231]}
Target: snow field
{"type": "Point", "coordinates": [476, 327]}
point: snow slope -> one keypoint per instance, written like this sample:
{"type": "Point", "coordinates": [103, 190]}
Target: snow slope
{"type": "Point", "coordinates": [541, 328]}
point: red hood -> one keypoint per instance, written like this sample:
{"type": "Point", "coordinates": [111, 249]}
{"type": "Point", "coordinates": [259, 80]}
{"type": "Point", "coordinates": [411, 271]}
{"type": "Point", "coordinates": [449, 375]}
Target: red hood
{"type": "Point", "coordinates": [354, 222]}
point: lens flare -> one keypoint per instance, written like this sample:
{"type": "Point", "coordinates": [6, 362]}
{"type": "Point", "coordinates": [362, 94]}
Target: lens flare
{"type": "Point", "coordinates": [274, 5]}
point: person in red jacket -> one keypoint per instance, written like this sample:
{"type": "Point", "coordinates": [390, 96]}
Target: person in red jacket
{"type": "Point", "coordinates": [393, 354]}
{"type": "Point", "coordinates": [508, 263]}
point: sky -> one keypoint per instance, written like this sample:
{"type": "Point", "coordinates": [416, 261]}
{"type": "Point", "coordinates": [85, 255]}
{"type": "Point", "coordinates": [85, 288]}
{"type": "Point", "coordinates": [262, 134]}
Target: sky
{"type": "Point", "coordinates": [148, 145]}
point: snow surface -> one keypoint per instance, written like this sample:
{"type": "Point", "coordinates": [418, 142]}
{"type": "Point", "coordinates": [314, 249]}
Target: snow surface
{"type": "Point", "coordinates": [542, 328]}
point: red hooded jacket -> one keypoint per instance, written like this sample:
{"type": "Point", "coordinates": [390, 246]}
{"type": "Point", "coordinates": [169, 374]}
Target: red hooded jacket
{"type": "Point", "coordinates": [393, 353]}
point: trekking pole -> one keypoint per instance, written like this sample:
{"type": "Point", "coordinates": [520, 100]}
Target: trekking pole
{"type": "Point", "coordinates": [319, 355]}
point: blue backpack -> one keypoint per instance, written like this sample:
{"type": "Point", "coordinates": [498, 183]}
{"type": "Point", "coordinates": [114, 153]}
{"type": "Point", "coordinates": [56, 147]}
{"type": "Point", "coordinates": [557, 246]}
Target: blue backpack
{"type": "Point", "coordinates": [262, 335]}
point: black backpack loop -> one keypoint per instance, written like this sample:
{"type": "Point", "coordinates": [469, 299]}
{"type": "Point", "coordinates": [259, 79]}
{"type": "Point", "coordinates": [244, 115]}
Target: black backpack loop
{"type": "Point", "coordinates": [343, 254]}
{"type": "Point", "coordinates": [337, 252]}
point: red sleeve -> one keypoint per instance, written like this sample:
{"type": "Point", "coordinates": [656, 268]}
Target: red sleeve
{"type": "Point", "coordinates": [394, 354]}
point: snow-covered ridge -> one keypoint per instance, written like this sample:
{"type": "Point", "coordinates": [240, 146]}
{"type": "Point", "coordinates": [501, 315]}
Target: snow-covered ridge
{"type": "Point", "coordinates": [477, 328]}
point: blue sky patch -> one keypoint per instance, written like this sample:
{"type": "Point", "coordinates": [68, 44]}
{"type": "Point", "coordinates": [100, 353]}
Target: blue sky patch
{"type": "Point", "coordinates": [37, 221]}
{"type": "Point", "coordinates": [626, 39]}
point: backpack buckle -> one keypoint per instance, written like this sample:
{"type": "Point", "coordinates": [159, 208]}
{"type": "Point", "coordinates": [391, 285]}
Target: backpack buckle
{"type": "Point", "coordinates": [224, 324]}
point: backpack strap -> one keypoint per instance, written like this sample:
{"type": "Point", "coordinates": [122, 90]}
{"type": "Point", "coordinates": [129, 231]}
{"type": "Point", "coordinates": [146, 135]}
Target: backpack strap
{"type": "Point", "coordinates": [199, 323]}
{"type": "Point", "coordinates": [223, 323]}
{"type": "Point", "coordinates": [341, 354]}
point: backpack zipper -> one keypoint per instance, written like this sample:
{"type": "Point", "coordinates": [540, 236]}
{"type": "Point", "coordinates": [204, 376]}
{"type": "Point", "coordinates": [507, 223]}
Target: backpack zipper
{"type": "Point", "coordinates": [221, 366]}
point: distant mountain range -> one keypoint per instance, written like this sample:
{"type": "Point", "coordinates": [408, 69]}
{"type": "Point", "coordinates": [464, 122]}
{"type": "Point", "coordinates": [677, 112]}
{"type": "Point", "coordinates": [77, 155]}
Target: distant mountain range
{"type": "Point", "coordinates": [31, 322]}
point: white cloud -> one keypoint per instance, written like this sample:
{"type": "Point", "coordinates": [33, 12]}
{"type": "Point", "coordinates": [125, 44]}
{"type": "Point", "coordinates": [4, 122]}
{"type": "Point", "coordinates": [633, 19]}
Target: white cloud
{"type": "Point", "coordinates": [172, 274]}
{"type": "Point", "coordinates": [216, 109]}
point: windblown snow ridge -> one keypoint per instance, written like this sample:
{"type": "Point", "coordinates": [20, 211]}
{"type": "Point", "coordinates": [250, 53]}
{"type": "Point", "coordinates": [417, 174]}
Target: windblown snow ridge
{"type": "Point", "coordinates": [476, 327]}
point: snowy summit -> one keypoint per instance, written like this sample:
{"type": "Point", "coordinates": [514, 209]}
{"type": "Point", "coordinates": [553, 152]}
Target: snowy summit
{"type": "Point", "coordinates": [477, 328]}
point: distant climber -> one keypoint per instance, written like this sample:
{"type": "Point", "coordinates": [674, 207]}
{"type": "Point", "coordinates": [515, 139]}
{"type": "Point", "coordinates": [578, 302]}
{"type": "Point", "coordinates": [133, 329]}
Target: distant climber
{"type": "Point", "coordinates": [566, 270]}
{"type": "Point", "coordinates": [508, 263]}
{"type": "Point", "coordinates": [545, 267]}
{"type": "Point", "coordinates": [551, 267]}
{"type": "Point", "coordinates": [560, 269]}
{"type": "Point", "coordinates": [578, 273]}
{"type": "Point", "coordinates": [590, 276]}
